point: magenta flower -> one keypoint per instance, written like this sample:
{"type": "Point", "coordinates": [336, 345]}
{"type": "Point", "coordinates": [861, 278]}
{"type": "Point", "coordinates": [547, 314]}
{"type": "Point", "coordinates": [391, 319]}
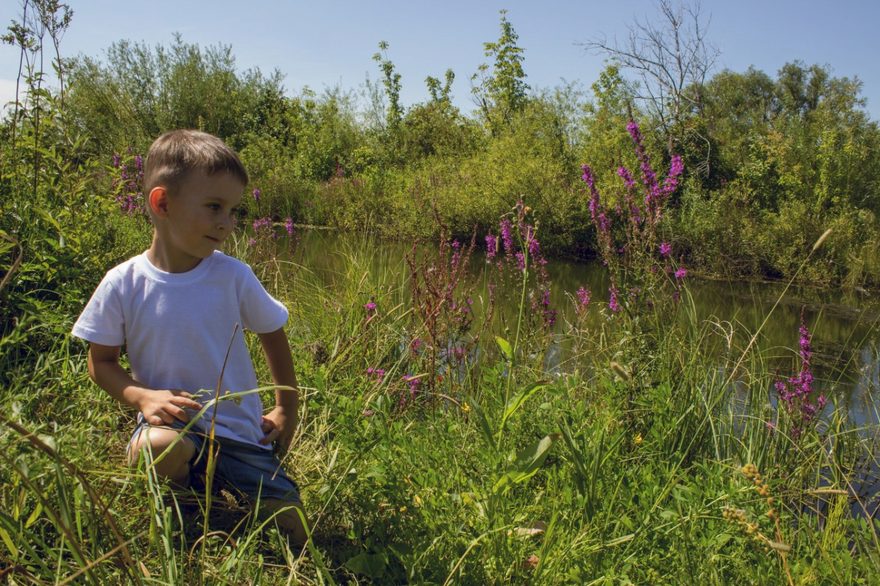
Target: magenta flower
{"type": "Point", "coordinates": [665, 249]}
{"type": "Point", "coordinates": [624, 174]}
{"type": "Point", "coordinates": [506, 236]}
{"type": "Point", "coordinates": [533, 245]}
{"type": "Point", "coordinates": [288, 225]}
{"type": "Point", "coordinates": [680, 273]}
{"type": "Point", "coordinates": [583, 296]}
{"type": "Point", "coordinates": [520, 260]}
{"type": "Point", "coordinates": [613, 304]}
{"type": "Point", "coordinates": [370, 306]}
{"type": "Point", "coordinates": [491, 246]}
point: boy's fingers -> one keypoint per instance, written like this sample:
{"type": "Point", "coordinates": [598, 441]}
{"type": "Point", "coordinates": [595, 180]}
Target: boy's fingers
{"type": "Point", "coordinates": [270, 437]}
{"type": "Point", "coordinates": [182, 401]}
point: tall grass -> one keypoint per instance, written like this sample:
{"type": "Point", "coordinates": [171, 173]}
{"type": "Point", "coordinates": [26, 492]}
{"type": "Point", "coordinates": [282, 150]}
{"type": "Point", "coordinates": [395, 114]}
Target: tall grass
{"type": "Point", "coordinates": [625, 468]}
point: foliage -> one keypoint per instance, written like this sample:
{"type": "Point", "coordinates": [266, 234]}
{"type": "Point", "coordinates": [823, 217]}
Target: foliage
{"type": "Point", "coordinates": [503, 92]}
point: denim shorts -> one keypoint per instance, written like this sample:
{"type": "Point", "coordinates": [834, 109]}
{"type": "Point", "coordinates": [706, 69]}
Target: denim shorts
{"type": "Point", "coordinates": [254, 471]}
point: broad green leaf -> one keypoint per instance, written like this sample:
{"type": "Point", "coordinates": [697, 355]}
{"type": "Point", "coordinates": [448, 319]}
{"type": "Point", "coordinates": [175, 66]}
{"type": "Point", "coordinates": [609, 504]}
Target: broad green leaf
{"type": "Point", "coordinates": [370, 565]}
{"type": "Point", "coordinates": [527, 463]}
{"type": "Point", "coordinates": [518, 399]}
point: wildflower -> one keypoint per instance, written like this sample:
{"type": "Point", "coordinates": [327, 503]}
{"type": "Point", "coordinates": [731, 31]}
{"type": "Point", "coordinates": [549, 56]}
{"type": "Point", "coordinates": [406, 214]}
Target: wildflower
{"type": "Point", "coordinates": [680, 273]}
{"type": "Point", "coordinates": [117, 161]}
{"type": "Point", "coordinates": [624, 174]}
{"type": "Point", "coordinates": [416, 344]}
{"type": "Point", "coordinates": [583, 296]}
{"type": "Point", "coordinates": [257, 193]}
{"type": "Point", "coordinates": [491, 246]}
{"type": "Point", "coordinates": [413, 383]}
{"type": "Point", "coordinates": [370, 306]}
{"type": "Point", "coordinates": [465, 408]}
{"type": "Point", "coordinates": [613, 305]}
{"type": "Point", "coordinates": [637, 440]}
{"type": "Point", "coordinates": [139, 163]}
{"type": "Point", "coordinates": [506, 236]}
{"type": "Point", "coordinates": [665, 249]}
{"type": "Point", "coordinates": [288, 225]}
{"type": "Point", "coordinates": [520, 260]}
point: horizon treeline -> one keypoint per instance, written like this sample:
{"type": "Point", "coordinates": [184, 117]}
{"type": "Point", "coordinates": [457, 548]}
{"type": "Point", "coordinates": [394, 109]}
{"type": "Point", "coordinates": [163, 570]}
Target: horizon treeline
{"type": "Point", "coordinates": [770, 162]}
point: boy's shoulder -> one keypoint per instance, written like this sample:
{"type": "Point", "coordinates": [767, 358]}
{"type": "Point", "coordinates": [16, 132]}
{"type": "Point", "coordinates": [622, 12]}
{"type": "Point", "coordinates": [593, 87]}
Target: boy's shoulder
{"type": "Point", "coordinates": [139, 266]}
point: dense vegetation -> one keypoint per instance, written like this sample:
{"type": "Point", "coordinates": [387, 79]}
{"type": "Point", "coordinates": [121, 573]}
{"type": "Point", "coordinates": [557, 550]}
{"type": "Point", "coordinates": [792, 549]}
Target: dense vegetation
{"type": "Point", "coordinates": [434, 446]}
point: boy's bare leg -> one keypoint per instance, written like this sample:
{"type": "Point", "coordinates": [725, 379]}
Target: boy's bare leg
{"type": "Point", "coordinates": [287, 515]}
{"type": "Point", "coordinates": [175, 464]}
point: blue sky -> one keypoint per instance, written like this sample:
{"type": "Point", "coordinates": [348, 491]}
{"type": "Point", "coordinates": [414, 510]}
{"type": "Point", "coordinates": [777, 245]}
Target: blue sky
{"type": "Point", "coordinates": [331, 42]}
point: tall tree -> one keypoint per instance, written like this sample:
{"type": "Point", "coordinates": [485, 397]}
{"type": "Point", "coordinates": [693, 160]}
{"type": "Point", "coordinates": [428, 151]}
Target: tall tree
{"type": "Point", "coordinates": [503, 92]}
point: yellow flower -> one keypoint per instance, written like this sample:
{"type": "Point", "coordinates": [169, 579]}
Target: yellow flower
{"type": "Point", "coordinates": [465, 407]}
{"type": "Point", "coordinates": [637, 440]}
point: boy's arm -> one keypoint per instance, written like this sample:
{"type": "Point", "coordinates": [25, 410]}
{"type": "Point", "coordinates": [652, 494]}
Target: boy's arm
{"type": "Point", "coordinates": [280, 423]}
{"type": "Point", "coordinates": [160, 407]}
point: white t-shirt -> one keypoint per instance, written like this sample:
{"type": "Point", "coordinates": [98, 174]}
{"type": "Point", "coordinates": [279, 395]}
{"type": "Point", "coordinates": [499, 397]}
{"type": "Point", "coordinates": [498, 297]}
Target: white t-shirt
{"type": "Point", "coordinates": [176, 328]}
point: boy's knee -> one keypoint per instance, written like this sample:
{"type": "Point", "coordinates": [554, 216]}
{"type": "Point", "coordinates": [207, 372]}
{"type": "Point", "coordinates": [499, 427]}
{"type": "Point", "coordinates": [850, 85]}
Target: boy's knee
{"type": "Point", "coordinates": [288, 515]}
{"type": "Point", "coordinates": [172, 451]}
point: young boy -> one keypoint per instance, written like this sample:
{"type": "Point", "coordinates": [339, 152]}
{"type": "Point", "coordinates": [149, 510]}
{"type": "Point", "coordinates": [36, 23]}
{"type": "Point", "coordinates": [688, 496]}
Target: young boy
{"type": "Point", "coordinates": [175, 308]}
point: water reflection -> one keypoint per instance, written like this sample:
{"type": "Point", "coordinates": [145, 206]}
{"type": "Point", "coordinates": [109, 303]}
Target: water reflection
{"type": "Point", "coordinates": [846, 337]}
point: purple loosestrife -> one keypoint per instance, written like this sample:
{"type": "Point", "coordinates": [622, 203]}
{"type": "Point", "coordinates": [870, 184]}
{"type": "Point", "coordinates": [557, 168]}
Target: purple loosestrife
{"type": "Point", "coordinates": [583, 295]}
{"type": "Point", "coordinates": [649, 178]}
{"type": "Point", "coordinates": [613, 304]}
{"type": "Point", "coordinates": [117, 161]}
{"type": "Point", "coordinates": [257, 193]}
{"type": "Point", "coordinates": [491, 246]}
{"type": "Point", "coordinates": [795, 393]}
{"type": "Point", "coordinates": [676, 167]}
{"type": "Point", "coordinates": [520, 260]}
{"type": "Point", "coordinates": [288, 225]}
{"type": "Point", "coordinates": [506, 236]}
{"type": "Point", "coordinates": [597, 212]}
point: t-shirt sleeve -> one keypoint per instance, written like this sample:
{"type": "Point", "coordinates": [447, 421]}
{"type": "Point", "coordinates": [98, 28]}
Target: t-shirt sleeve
{"type": "Point", "coordinates": [260, 312]}
{"type": "Point", "coordinates": [102, 321]}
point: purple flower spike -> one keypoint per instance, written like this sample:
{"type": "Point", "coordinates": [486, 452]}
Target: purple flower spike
{"type": "Point", "coordinates": [665, 249]}
{"type": "Point", "coordinates": [583, 296]}
{"type": "Point", "coordinates": [491, 246]}
{"type": "Point", "coordinates": [257, 194]}
{"type": "Point", "coordinates": [680, 273]}
{"type": "Point", "coordinates": [613, 305]}
{"type": "Point", "coordinates": [506, 236]}
{"type": "Point", "coordinates": [288, 225]}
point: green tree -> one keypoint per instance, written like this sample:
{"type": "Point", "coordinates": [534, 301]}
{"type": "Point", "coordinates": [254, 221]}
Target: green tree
{"type": "Point", "coordinates": [503, 92]}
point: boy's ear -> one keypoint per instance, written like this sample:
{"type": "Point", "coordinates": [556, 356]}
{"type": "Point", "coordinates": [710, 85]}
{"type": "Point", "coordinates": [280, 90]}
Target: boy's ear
{"type": "Point", "coordinates": [159, 201]}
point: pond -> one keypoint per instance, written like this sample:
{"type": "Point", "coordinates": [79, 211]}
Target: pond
{"type": "Point", "coordinates": [845, 327]}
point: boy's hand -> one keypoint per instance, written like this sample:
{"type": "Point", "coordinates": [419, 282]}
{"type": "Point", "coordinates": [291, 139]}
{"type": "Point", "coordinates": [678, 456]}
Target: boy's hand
{"type": "Point", "coordinates": [163, 407]}
{"type": "Point", "coordinates": [278, 426]}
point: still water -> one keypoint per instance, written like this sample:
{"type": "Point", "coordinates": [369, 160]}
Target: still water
{"type": "Point", "coordinates": [845, 327]}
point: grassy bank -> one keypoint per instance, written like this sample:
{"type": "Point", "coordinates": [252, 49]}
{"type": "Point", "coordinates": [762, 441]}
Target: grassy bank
{"type": "Point", "coordinates": [462, 461]}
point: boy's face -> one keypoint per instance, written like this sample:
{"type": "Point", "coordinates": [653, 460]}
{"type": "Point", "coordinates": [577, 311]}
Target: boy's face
{"type": "Point", "coordinates": [200, 216]}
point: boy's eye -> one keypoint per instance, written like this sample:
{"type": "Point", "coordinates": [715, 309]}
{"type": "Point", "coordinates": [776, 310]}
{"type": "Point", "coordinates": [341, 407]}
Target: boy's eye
{"type": "Point", "coordinates": [214, 206]}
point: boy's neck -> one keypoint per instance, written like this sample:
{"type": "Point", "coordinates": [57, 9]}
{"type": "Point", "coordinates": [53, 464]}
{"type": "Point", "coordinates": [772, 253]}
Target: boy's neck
{"type": "Point", "coordinates": [169, 260]}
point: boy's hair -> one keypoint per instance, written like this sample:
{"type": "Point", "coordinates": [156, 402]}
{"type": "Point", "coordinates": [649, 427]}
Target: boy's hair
{"type": "Point", "coordinates": [179, 152]}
